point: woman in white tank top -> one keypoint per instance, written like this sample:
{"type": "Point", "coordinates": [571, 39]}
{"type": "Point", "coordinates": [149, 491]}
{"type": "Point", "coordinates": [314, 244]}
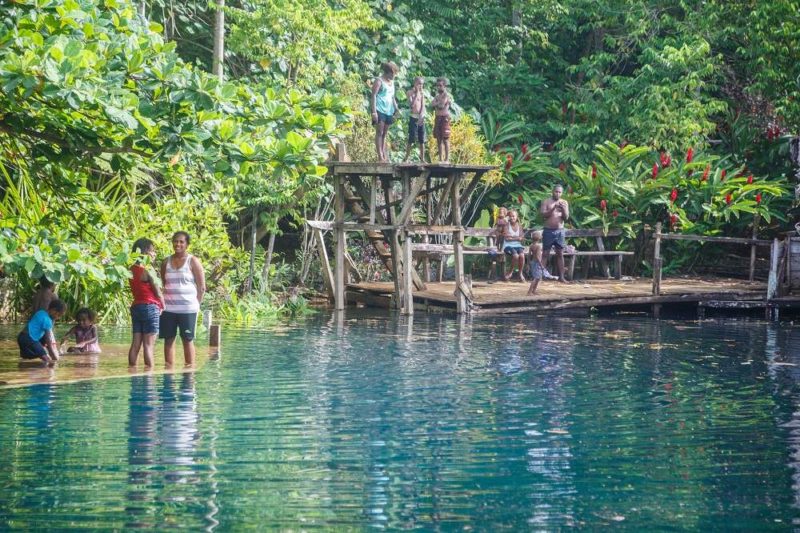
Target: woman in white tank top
{"type": "Point", "coordinates": [184, 286]}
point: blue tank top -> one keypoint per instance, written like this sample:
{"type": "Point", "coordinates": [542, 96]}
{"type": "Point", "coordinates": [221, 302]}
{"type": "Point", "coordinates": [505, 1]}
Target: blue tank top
{"type": "Point", "coordinates": [384, 100]}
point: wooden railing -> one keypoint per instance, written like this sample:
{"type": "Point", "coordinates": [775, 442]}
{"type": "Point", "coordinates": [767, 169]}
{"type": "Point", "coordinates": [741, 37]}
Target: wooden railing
{"type": "Point", "coordinates": [658, 236]}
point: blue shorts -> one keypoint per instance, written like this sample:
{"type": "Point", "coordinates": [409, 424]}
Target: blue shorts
{"type": "Point", "coordinates": [552, 237]}
{"type": "Point", "coordinates": [514, 249]}
{"type": "Point", "coordinates": [173, 323]}
{"type": "Point", "coordinates": [388, 119]}
{"type": "Point", "coordinates": [144, 318]}
{"type": "Point", "coordinates": [30, 348]}
{"type": "Point", "coordinates": [416, 130]}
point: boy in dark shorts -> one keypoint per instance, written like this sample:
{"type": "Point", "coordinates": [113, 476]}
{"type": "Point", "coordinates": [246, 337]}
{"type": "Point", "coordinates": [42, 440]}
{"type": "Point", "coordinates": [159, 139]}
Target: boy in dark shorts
{"type": "Point", "coordinates": [496, 252]}
{"type": "Point", "coordinates": [36, 340]}
{"type": "Point", "coordinates": [537, 266]}
{"type": "Point", "coordinates": [441, 126]}
{"type": "Point", "coordinates": [416, 119]}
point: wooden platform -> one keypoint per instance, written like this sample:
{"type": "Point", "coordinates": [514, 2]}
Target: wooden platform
{"type": "Point", "coordinates": [511, 297]}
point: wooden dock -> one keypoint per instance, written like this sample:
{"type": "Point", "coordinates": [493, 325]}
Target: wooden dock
{"type": "Point", "coordinates": [511, 297]}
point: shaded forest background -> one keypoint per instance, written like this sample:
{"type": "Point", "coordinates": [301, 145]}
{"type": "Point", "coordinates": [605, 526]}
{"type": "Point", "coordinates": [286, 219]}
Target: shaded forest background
{"type": "Point", "coordinates": [113, 126]}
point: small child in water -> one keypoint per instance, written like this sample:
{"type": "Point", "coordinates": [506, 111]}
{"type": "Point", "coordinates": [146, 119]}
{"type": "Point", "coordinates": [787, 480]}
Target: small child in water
{"type": "Point", "coordinates": [537, 267]}
{"type": "Point", "coordinates": [85, 333]}
{"type": "Point", "coordinates": [36, 338]}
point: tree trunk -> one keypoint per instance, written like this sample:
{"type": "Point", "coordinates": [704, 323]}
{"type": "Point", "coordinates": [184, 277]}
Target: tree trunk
{"type": "Point", "coordinates": [251, 275]}
{"type": "Point", "coordinates": [219, 40]}
{"type": "Point", "coordinates": [268, 260]}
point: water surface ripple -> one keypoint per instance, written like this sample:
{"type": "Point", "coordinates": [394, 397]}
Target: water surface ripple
{"type": "Point", "coordinates": [372, 421]}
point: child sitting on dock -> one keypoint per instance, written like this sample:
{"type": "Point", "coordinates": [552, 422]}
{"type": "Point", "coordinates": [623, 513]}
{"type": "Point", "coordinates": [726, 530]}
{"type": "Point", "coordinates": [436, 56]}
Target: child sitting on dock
{"type": "Point", "coordinates": [512, 246]}
{"type": "Point", "coordinates": [36, 339]}
{"type": "Point", "coordinates": [84, 332]}
{"type": "Point", "coordinates": [537, 267]}
{"type": "Point", "coordinates": [496, 252]}
{"type": "Point", "coordinates": [441, 126]}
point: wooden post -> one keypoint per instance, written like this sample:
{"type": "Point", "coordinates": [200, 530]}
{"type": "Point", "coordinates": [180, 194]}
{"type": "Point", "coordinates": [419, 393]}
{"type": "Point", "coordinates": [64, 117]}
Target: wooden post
{"type": "Point", "coordinates": [215, 336]}
{"type": "Point", "coordinates": [756, 220]}
{"type": "Point", "coordinates": [603, 263]}
{"type": "Point", "coordinates": [338, 282]}
{"type": "Point", "coordinates": [373, 198]}
{"type": "Point", "coordinates": [408, 295]}
{"type": "Point", "coordinates": [426, 262]}
{"type": "Point", "coordinates": [327, 273]}
{"type": "Point", "coordinates": [657, 263]}
{"type": "Point", "coordinates": [462, 305]}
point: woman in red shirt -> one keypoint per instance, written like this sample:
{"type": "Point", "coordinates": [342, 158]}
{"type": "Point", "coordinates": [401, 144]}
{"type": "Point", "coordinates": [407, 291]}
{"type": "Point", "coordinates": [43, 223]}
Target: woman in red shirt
{"type": "Point", "coordinates": [148, 302]}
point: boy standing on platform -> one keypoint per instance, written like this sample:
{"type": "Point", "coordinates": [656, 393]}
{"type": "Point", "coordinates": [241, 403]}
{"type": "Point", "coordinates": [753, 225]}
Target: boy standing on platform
{"type": "Point", "coordinates": [384, 107]}
{"type": "Point", "coordinates": [441, 127]}
{"type": "Point", "coordinates": [416, 119]}
{"type": "Point", "coordinates": [496, 252]}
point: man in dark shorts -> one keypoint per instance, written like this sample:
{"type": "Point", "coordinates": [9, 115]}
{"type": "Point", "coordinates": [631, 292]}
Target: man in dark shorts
{"type": "Point", "coordinates": [555, 211]}
{"type": "Point", "coordinates": [416, 119]}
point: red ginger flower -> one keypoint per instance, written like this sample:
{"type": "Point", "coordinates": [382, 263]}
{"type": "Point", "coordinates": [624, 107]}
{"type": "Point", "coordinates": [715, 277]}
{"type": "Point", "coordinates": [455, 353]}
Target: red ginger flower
{"type": "Point", "coordinates": [527, 157]}
{"type": "Point", "coordinates": [673, 219]}
{"type": "Point", "coordinates": [705, 173]}
{"type": "Point", "coordinates": [524, 148]}
{"type": "Point", "coordinates": [615, 213]}
{"type": "Point", "coordinates": [603, 205]}
{"type": "Point", "coordinates": [594, 170]}
{"type": "Point", "coordinates": [722, 175]}
{"type": "Point", "coordinates": [758, 198]}
{"type": "Point", "coordinates": [519, 198]}
{"type": "Point", "coordinates": [666, 160]}
{"type": "Point", "coordinates": [750, 179]}
{"type": "Point", "coordinates": [689, 155]}
{"type": "Point", "coordinates": [673, 195]}
{"type": "Point", "coordinates": [728, 198]}
{"type": "Point", "coordinates": [655, 170]}
{"type": "Point", "coordinates": [508, 162]}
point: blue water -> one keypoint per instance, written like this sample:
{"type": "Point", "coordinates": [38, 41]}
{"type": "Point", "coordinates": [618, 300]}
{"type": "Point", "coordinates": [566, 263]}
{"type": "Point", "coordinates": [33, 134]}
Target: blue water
{"type": "Point", "coordinates": [370, 422]}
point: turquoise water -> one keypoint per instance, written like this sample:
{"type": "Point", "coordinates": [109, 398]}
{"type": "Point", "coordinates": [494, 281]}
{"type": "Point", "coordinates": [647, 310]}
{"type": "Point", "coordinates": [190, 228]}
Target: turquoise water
{"type": "Point", "coordinates": [514, 423]}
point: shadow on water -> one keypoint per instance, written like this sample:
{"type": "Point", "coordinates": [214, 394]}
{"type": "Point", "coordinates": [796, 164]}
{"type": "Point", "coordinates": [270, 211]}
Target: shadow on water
{"type": "Point", "coordinates": [356, 419]}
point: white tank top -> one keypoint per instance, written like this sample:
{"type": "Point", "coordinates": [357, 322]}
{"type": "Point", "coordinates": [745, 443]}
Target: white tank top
{"type": "Point", "coordinates": [180, 290]}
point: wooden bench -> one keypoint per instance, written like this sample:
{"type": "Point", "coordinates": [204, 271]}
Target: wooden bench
{"type": "Point", "coordinates": [441, 251]}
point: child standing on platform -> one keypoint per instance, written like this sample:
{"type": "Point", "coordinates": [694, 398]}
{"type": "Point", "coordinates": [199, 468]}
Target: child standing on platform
{"type": "Point", "coordinates": [416, 119]}
{"type": "Point", "coordinates": [496, 252]}
{"type": "Point", "coordinates": [383, 107]}
{"type": "Point", "coordinates": [537, 266]}
{"type": "Point", "coordinates": [36, 338]}
{"type": "Point", "coordinates": [85, 333]}
{"type": "Point", "coordinates": [441, 127]}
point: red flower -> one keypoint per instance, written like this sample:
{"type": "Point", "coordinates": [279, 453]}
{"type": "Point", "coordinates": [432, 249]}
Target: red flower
{"type": "Point", "coordinates": [655, 170]}
{"type": "Point", "coordinates": [527, 157]}
{"type": "Point", "coordinates": [728, 198]}
{"type": "Point", "coordinates": [594, 170]}
{"type": "Point", "coordinates": [673, 219]}
{"type": "Point", "coordinates": [666, 160]}
{"type": "Point", "coordinates": [524, 148]}
{"type": "Point", "coordinates": [673, 195]}
{"type": "Point", "coordinates": [750, 179]}
{"type": "Point", "coordinates": [615, 213]}
{"type": "Point", "coordinates": [519, 198]}
{"type": "Point", "coordinates": [689, 155]}
{"type": "Point", "coordinates": [603, 205]}
{"type": "Point", "coordinates": [508, 162]}
{"type": "Point", "coordinates": [722, 175]}
{"type": "Point", "coordinates": [562, 167]}
{"type": "Point", "coordinates": [705, 173]}
{"type": "Point", "coordinates": [758, 198]}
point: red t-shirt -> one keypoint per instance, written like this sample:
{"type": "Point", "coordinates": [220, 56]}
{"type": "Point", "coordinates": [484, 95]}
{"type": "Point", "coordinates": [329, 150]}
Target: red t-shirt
{"type": "Point", "coordinates": [143, 292]}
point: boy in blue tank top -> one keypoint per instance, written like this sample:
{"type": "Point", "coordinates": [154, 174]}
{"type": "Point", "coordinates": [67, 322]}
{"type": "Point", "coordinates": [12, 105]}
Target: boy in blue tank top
{"type": "Point", "coordinates": [36, 340]}
{"type": "Point", "coordinates": [383, 105]}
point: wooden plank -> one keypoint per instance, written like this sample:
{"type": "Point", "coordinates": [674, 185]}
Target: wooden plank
{"type": "Point", "coordinates": [772, 280]}
{"type": "Point", "coordinates": [373, 197]}
{"type": "Point", "coordinates": [756, 219]}
{"type": "Point", "coordinates": [327, 273]}
{"type": "Point", "coordinates": [408, 295]}
{"type": "Point", "coordinates": [604, 264]}
{"type": "Point", "coordinates": [437, 212]}
{"type": "Point", "coordinates": [710, 238]}
{"type": "Point", "coordinates": [340, 168]}
{"type": "Point", "coordinates": [319, 224]}
{"type": "Point", "coordinates": [411, 196]}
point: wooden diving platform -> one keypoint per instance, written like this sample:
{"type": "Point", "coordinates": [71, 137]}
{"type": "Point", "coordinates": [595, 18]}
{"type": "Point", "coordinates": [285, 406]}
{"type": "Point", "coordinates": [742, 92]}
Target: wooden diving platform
{"type": "Point", "coordinates": [511, 297]}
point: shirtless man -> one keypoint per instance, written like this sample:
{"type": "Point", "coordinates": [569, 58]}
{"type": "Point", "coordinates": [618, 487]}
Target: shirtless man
{"type": "Point", "coordinates": [555, 212]}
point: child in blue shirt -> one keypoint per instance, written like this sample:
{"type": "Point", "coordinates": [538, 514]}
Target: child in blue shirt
{"type": "Point", "coordinates": [36, 339]}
